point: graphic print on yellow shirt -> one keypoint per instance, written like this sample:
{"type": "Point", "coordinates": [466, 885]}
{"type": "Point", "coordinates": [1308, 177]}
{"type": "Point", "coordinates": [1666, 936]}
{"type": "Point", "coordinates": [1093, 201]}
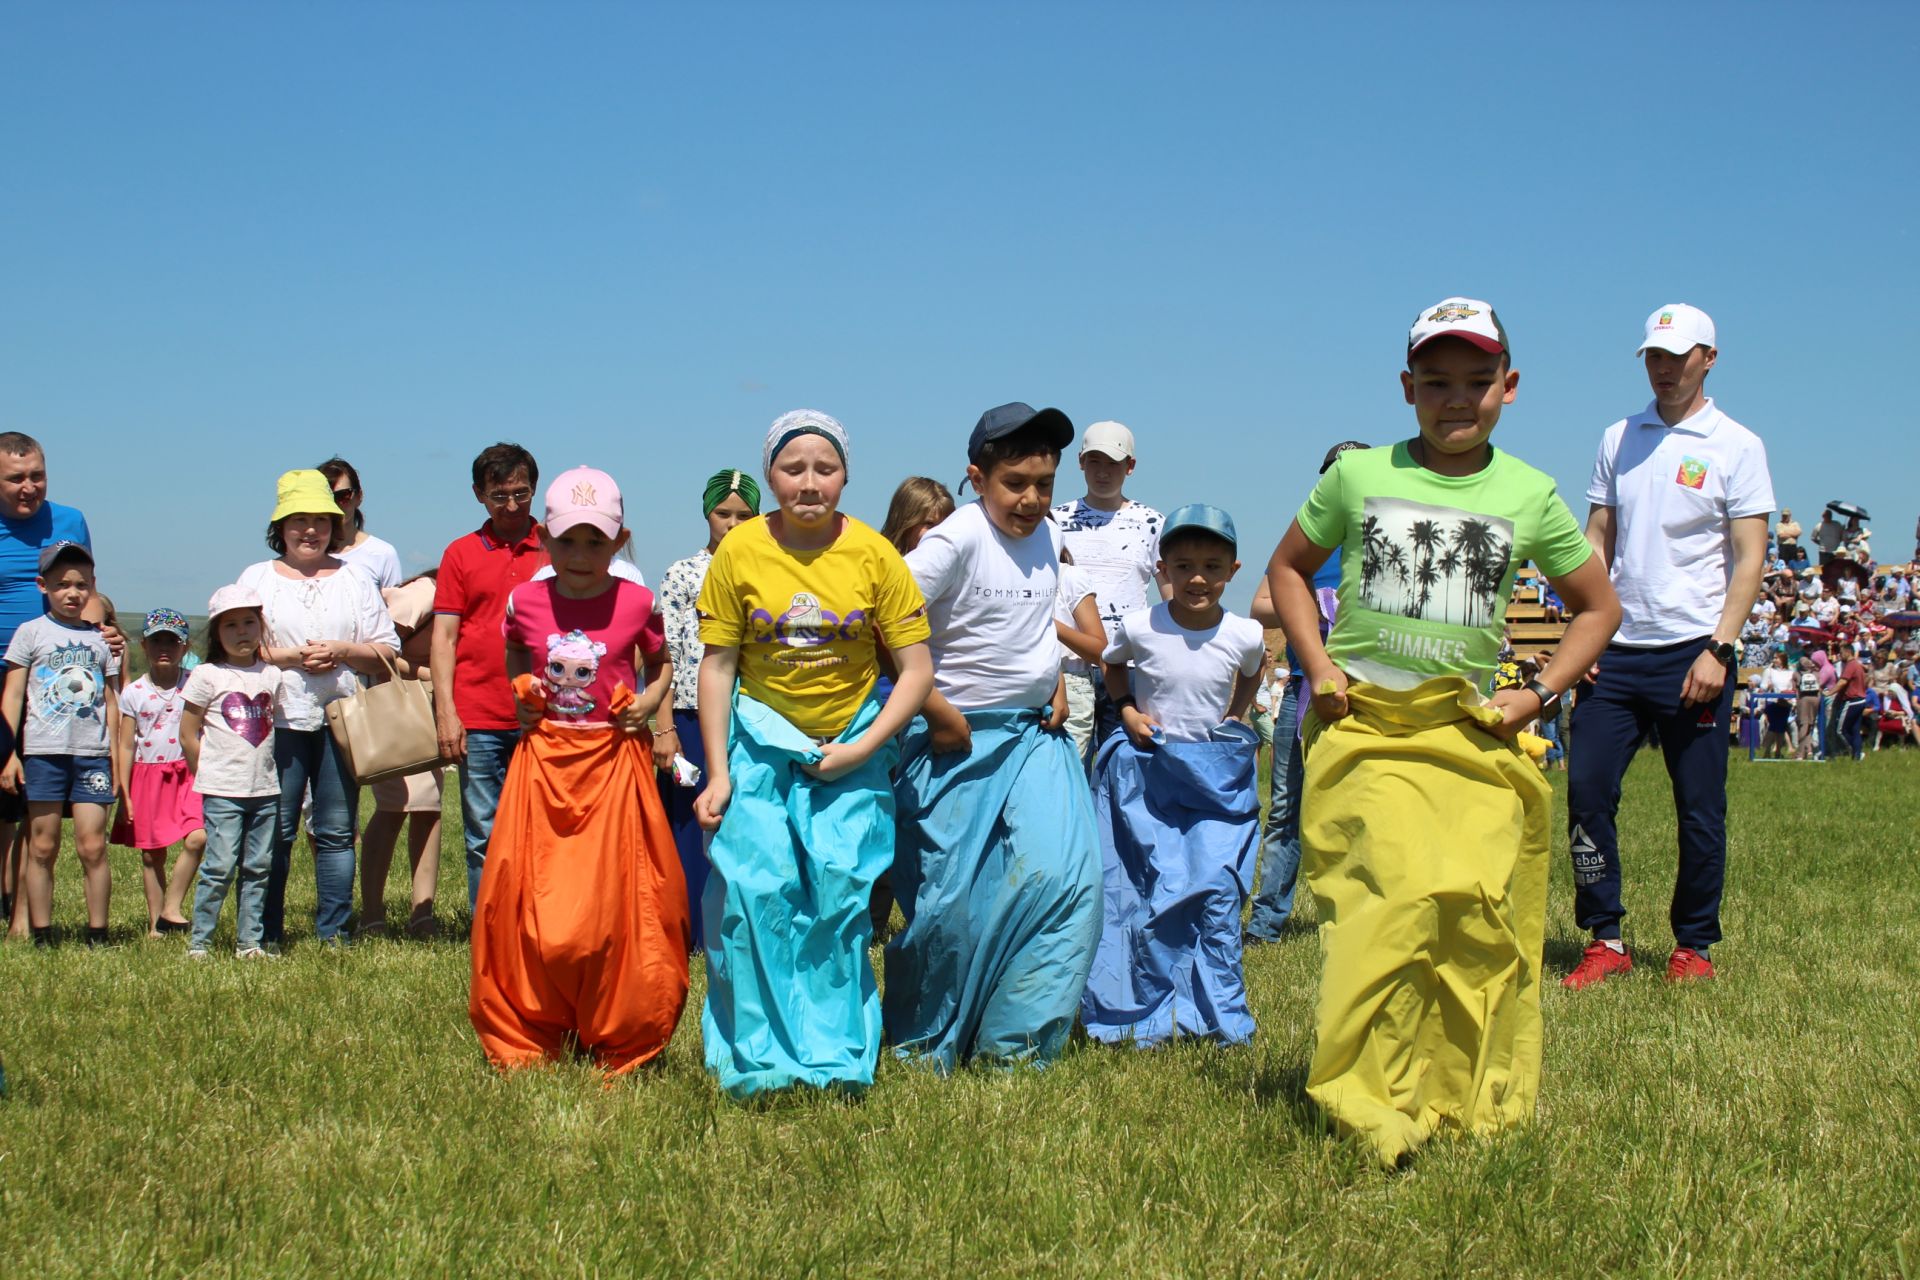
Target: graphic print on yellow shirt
{"type": "Point", "coordinates": [807, 623]}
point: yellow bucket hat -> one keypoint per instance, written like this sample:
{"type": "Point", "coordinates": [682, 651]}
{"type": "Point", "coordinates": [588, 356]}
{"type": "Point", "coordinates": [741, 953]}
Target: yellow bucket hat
{"type": "Point", "coordinates": [304, 493]}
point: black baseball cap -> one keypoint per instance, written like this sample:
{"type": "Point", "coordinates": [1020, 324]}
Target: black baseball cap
{"type": "Point", "coordinates": [1003, 420]}
{"type": "Point", "coordinates": [1339, 449]}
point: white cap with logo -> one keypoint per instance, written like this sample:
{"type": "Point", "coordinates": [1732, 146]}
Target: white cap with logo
{"type": "Point", "coordinates": [1110, 438]}
{"type": "Point", "coordinates": [1466, 318]}
{"type": "Point", "coordinates": [1678, 328]}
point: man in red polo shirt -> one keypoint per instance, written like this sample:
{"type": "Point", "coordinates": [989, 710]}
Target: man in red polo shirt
{"type": "Point", "coordinates": [478, 726]}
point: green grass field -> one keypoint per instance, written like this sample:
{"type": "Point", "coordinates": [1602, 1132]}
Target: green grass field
{"type": "Point", "coordinates": [330, 1113]}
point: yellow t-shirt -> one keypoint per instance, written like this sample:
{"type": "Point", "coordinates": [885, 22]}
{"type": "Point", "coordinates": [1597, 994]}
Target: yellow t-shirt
{"type": "Point", "coordinates": [806, 622]}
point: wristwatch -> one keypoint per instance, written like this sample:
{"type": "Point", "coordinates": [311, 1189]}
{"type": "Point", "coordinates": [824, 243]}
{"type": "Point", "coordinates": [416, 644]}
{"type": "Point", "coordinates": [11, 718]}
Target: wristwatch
{"type": "Point", "coordinates": [1549, 698]}
{"type": "Point", "coordinates": [1727, 651]}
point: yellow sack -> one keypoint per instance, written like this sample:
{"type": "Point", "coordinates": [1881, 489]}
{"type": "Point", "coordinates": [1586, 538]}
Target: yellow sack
{"type": "Point", "coordinates": [1424, 842]}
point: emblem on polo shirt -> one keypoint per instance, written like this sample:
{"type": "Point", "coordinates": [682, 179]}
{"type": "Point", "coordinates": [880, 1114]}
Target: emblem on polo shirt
{"type": "Point", "coordinates": [1693, 473]}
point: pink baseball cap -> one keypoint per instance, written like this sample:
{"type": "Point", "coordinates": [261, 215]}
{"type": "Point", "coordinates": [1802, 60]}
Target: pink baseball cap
{"type": "Point", "coordinates": [584, 496]}
{"type": "Point", "coordinates": [231, 597]}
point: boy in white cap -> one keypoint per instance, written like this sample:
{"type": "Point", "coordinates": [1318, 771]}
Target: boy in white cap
{"type": "Point", "coordinates": [1424, 826]}
{"type": "Point", "coordinates": [1115, 542]}
{"type": "Point", "coordinates": [1679, 503]}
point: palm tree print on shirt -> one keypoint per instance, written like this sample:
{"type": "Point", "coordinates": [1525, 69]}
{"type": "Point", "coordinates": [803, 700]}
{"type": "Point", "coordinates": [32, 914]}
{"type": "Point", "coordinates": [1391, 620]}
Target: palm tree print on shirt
{"type": "Point", "coordinates": [1432, 563]}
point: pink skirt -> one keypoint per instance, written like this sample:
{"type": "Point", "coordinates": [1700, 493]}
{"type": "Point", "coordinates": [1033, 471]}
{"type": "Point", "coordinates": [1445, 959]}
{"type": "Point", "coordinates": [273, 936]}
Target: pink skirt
{"type": "Point", "coordinates": [164, 806]}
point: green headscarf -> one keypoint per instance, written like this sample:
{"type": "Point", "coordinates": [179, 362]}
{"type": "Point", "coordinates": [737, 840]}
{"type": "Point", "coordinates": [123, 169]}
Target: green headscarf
{"type": "Point", "coordinates": [724, 484]}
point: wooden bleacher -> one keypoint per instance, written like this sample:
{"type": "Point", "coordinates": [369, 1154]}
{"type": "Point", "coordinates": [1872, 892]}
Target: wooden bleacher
{"type": "Point", "coordinates": [1527, 626]}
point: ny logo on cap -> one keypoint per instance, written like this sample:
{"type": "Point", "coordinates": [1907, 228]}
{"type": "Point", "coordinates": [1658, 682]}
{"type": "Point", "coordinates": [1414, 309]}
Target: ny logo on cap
{"type": "Point", "coordinates": [584, 495]}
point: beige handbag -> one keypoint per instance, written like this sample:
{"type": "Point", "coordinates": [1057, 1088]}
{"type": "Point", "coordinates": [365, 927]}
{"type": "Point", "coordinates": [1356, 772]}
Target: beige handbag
{"type": "Point", "coordinates": [387, 730]}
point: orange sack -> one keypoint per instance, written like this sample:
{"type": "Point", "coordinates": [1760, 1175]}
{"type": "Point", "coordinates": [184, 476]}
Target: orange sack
{"type": "Point", "coordinates": [580, 934]}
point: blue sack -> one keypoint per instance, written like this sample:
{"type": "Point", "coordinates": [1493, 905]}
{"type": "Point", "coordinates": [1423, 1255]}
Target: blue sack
{"type": "Point", "coordinates": [791, 998]}
{"type": "Point", "coordinates": [998, 876]}
{"type": "Point", "coordinates": [1178, 828]}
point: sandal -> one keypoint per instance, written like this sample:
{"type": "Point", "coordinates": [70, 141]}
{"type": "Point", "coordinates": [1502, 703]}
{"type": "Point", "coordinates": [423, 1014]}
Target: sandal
{"type": "Point", "coordinates": [165, 926]}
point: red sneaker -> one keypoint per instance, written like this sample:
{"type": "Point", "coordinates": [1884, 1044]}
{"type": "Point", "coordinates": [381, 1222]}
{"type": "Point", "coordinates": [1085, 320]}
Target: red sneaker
{"type": "Point", "coordinates": [1686, 963]}
{"type": "Point", "coordinates": [1597, 963]}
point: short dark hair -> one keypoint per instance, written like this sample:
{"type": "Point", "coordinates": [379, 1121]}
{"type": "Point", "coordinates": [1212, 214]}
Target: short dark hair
{"type": "Point", "coordinates": [336, 469]}
{"type": "Point", "coordinates": [498, 462]}
{"type": "Point", "coordinates": [1184, 537]}
{"type": "Point", "coordinates": [277, 541]}
{"type": "Point", "coordinates": [18, 444]}
{"type": "Point", "coordinates": [1031, 441]}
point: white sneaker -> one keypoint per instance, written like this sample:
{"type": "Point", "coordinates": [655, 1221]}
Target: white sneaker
{"type": "Point", "coordinates": [198, 953]}
{"type": "Point", "coordinates": [250, 953]}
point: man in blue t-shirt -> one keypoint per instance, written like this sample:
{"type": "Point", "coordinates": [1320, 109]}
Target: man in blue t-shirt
{"type": "Point", "coordinates": [1280, 844]}
{"type": "Point", "coordinates": [28, 525]}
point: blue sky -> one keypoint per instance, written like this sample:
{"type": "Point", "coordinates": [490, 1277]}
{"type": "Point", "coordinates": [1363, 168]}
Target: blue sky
{"type": "Point", "coordinates": [239, 238]}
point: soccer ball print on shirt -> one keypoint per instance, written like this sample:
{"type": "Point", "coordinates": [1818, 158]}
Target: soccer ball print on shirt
{"type": "Point", "coordinates": [1437, 564]}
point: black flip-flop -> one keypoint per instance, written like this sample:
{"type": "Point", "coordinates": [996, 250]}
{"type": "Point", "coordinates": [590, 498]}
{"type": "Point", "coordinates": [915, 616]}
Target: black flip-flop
{"type": "Point", "coordinates": [172, 926]}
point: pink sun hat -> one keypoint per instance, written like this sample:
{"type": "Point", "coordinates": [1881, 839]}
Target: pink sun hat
{"type": "Point", "coordinates": [584, 495]}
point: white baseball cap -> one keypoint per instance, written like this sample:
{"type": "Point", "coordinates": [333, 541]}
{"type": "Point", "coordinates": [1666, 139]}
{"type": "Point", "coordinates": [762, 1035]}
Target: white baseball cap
{"type": "Point", "coordinates": [1678, 328]}
{"type": "Point", "coordinates": [1467, 318]}
{"type": "Point", "coordinates": [1110, 438]}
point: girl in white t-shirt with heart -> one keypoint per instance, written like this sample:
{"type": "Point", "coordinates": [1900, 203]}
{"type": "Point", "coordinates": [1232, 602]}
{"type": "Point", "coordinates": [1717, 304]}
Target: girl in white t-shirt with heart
{"type": "Point", "coordinates": [227, 734]}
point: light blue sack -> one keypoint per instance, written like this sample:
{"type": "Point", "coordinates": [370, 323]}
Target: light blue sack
{"type": "Point", "coordinates": [998, 875]}
{"type": "Point", "coordinates": [1178, 828]}
{"type": "Point", "coordinates": [790, 992]}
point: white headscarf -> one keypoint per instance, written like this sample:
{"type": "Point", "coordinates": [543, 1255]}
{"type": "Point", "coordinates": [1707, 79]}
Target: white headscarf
{"type": "Point", "coordinates": [804, 422]}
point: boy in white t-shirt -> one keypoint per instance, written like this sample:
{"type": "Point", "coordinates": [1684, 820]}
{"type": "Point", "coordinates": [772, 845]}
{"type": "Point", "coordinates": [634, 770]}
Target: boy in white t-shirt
{"type": "Point", "coordinates": [1177, 803]}
{"type": "Point", "coordinates": [1115, 542]}
{"type": "Point", "coordinates": [996, 866]}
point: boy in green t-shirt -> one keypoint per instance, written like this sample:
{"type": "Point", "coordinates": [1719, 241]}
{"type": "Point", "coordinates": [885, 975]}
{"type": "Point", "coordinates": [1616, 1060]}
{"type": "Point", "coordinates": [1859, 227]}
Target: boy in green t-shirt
{"type": "Point", "coordinates": [1424, 827]}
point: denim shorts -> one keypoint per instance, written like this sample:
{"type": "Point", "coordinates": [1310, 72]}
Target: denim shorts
{"type": "Point", "coordinates": [63, 779]}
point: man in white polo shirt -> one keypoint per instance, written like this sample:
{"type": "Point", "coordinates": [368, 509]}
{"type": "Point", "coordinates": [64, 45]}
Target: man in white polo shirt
{"type": "Point", "coordinates": [1679, 503]}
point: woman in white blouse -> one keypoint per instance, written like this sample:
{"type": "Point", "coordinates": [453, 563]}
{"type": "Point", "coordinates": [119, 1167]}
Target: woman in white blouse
{"type": "Point", "coordinates": [326, 626]}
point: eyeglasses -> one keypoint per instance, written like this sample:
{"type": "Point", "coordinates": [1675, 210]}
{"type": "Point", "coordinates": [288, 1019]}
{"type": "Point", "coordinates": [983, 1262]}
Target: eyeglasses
{"type": "Point", "coordinates": [501, 497]}
{"type": "Point", "coordinates": [343, 495]}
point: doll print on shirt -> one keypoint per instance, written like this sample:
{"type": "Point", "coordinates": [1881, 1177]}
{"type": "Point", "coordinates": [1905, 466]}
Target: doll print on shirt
{"type": "Point", "coordinates": [1434, 564]}
{"type": "Point", "coordinates": [573, 660]}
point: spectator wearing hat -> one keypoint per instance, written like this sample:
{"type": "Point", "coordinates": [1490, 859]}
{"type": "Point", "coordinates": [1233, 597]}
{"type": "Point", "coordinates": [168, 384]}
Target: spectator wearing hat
{"type": "Point", "coordinates": [1679, 502]}
{"type": "Point", "coordinates": [326, 627]}
{"type": "Point", "coordinates": [1787, 537]}
{"type": "Point", "coordinates": [1115, 543]}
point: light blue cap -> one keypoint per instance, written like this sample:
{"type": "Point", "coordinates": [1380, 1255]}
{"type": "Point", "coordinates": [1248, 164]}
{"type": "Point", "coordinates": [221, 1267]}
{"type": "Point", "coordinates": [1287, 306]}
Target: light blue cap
{"type": "Point", "coordinates": [1198, 515]}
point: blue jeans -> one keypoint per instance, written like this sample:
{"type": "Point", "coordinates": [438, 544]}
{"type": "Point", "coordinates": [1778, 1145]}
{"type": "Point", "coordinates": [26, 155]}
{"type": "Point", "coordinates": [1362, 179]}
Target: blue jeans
{"type": "Point", "coordinates": [240, 831]}
{"type": "Point", "coordinates": [306, 756]}
{"type": "Point", "coordinates": [482, 773]}
{"type": "Point", "coordinates": [1280, 843]}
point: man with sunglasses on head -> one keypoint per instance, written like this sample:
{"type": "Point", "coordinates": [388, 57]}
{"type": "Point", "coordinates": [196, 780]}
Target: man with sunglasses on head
{"type": "Point", "coordinates": [472, 699]}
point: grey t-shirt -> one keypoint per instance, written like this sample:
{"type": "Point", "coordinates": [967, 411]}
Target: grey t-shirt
{"type": "Point", "coordinates": [67, 668]}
